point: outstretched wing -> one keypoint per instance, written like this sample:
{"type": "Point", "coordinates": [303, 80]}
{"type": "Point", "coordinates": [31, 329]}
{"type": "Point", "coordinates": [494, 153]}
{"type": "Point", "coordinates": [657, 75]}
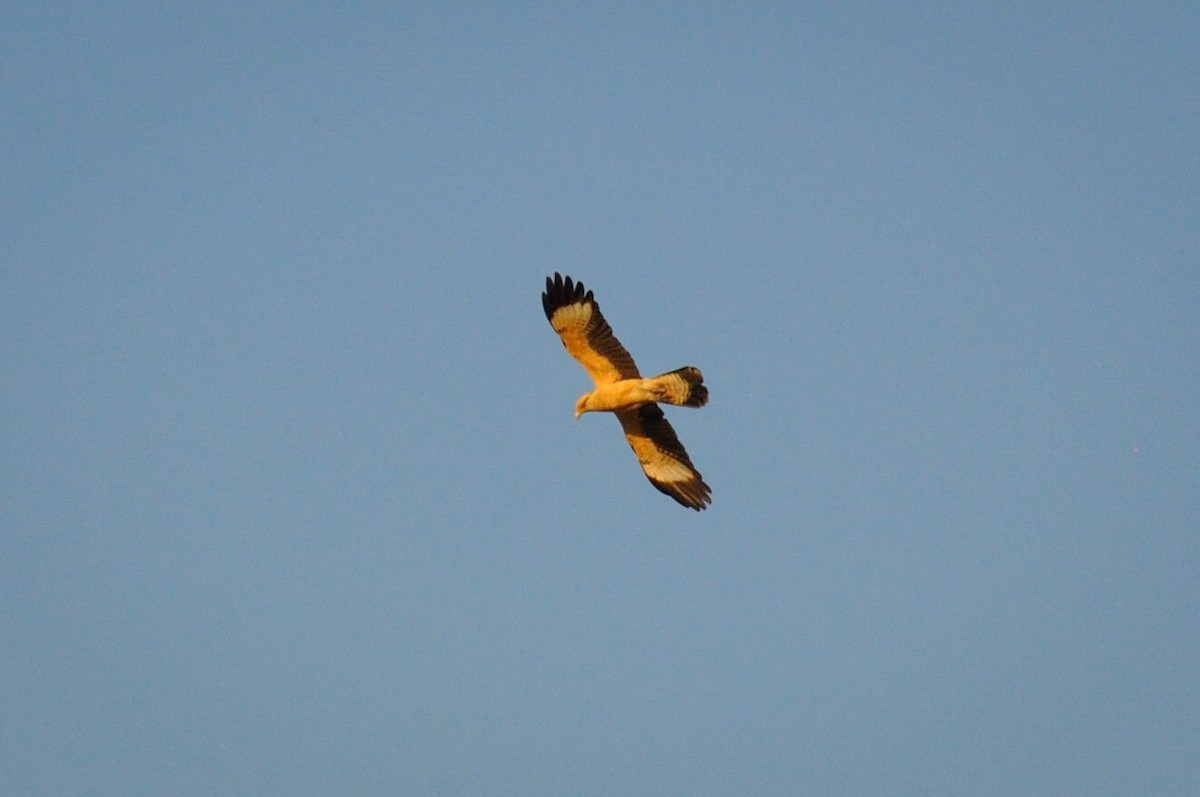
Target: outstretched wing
{"type": "Point", "coordinates": [576, 318]}
{"type": "Point", "coordinates": [663, 457]}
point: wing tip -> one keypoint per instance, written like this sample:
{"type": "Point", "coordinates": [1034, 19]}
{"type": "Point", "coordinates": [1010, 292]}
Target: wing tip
{"type": "Point", "coordinates": [562, 291]}
{"type": "Point", "coordinates": [694, 494]}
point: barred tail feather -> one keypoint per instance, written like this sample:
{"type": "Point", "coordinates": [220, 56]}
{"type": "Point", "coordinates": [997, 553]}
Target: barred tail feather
{"type": "Point", "coordinates": [683, 386]}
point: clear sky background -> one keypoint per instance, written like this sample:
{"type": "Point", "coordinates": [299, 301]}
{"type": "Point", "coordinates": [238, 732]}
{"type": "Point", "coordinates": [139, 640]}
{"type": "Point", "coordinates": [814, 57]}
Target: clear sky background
{"type": "Point", "coordinates": [293, 501]}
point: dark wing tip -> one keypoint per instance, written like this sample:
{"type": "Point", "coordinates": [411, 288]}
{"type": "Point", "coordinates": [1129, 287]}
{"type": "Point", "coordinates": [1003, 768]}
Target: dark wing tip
{"type": "Point", "coordinates": [694, 494]}
{"type": "Point", "coordinates": [562, 291]}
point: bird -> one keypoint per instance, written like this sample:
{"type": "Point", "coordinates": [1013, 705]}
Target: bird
{"type": "Point", "coordinates": [574, 314]}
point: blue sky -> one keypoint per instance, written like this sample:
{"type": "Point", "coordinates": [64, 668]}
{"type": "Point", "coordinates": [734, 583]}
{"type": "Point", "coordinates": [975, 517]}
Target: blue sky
{"type": "Point", "coordinates": [294, 502]}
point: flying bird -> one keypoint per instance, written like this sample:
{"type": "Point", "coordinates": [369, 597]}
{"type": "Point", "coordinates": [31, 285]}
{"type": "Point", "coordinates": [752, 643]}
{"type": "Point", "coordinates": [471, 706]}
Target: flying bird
{"type": "Point", "coordinates": [621, 390]}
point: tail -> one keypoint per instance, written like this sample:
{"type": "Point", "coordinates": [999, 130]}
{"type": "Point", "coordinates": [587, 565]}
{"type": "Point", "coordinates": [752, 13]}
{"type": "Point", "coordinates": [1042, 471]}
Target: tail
{"type": "Point", "coordinates": [683, 386]}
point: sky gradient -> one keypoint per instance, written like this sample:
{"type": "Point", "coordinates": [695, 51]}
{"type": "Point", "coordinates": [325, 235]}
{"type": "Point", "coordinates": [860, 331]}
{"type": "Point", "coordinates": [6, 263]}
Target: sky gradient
{"type": "Point", "coordinates": [294, 501]}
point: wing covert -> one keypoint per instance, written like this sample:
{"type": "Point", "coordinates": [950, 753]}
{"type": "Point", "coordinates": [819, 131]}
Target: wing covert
{"type": "Point", "coordinates": [575, 315]}
{"type": "Point", "coordinates": [662, 457]}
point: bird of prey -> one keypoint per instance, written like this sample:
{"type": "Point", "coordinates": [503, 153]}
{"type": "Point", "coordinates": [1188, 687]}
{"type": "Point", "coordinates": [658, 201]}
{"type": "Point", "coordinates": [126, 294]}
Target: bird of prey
{"type": "Point", "coordinates": [621, 390]}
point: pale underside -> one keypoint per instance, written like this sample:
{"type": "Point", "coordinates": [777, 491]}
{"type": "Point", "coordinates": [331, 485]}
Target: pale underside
{"type": "Point", "coordinates": [631, 393]}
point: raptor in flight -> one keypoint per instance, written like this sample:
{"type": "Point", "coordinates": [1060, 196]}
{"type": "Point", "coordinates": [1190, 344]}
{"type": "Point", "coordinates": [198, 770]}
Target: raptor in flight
{"type": "Point", "coordinates": [621, 390]}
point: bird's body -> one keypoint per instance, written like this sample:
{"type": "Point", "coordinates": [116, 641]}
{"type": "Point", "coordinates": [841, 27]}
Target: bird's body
{"type": "Point", "coordinates": [621, 389]}
{"type": "Point", "coordinates": [681, 387]}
